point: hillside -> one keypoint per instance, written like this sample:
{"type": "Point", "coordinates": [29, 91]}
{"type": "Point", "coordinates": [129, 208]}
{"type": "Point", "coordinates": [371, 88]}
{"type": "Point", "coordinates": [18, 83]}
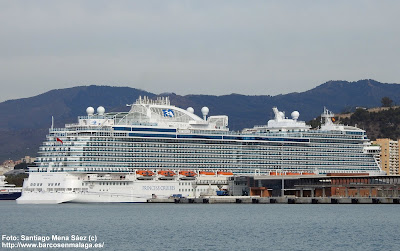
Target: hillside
{"type": "Point", "coordinates": [380, 124]}
{"type": "Point", "coordinates": [25, 122]}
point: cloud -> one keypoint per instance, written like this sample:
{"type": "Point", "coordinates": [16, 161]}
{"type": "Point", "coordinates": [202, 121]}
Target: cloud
{"type": "Point", "coordinates": [187, 47]}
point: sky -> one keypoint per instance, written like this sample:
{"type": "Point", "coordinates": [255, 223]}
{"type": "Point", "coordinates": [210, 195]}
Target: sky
{"type": "Point", "coordinates": [196, 47]}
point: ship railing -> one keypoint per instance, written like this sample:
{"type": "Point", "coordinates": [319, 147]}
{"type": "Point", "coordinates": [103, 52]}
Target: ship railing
{"type": "Point", "coordinates": [96, 117]}
{"type": "Point", "coordinates": [143, 124]}
{"type": "Point", "coordinates": [130, 123]}
{"type": "Point", "coordinates": [79, 128]}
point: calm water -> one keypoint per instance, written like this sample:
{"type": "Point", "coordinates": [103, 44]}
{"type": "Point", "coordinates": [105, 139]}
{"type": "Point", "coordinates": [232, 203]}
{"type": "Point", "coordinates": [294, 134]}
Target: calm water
{"type": "Point", "coordinates": [212, 227]}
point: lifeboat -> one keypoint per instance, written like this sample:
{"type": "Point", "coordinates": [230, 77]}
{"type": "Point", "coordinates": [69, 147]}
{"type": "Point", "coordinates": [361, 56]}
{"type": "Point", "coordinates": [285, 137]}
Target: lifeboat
{"type": "Point", "coordinates": [288, 173]}
{"type": "Point", "coordinates": [206, 173]}
{"type": "Point", "coordinates": [187, 173]}
{"type": "Point", "coordinates": [275, 173]}
{"type": "Point", "coordinates": [308, 173]}
{"type": "Point", "coordinates": [144, 174]}
{"type": "Point", "coordinates": [167, 173]}
{"type": "Point", "coordinates": [224, 173]}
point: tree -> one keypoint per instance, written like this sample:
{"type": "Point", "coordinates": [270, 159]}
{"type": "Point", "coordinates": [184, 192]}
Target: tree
{"type": "Point", "coordinates": [16, 179]}
{"type": "Point", "coordinates": [386, 102]}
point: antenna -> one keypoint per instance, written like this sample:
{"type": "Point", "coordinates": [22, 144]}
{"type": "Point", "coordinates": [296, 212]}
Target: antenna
{"type": "Point", "coordinates": [205, 111]}
{"type": "Point", "coordinates": [52, 122]}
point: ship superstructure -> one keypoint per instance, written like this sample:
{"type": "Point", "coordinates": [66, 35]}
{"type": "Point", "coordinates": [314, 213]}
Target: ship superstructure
{"type": "Point", "coordinates": [157, 149]}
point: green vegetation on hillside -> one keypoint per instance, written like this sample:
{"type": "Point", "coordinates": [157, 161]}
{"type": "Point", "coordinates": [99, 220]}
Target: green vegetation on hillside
{"type": "Point", "coordinates": [23, 165]}
{"type": "Point", "coordinates": [16, 179]}
{"type": "Point", "coordinates": [383, 124]}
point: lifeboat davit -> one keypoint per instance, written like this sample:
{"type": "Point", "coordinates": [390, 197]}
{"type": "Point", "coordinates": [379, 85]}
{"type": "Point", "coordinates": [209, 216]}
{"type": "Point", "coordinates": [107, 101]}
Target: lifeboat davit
{"type": "Point", "coordinates": [224, 173]}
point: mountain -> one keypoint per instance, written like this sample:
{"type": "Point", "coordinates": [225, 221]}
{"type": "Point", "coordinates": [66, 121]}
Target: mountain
{"type": "Point", "coordinates": [25, 122]}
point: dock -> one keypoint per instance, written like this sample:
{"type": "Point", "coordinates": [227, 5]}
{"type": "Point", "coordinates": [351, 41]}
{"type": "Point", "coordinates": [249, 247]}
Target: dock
{"type": "Point", "coordinates": [278, 200]}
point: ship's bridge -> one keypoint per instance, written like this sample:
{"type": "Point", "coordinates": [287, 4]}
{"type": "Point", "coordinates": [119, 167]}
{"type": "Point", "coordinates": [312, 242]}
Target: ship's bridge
{"type": "Point", "coordinates": [327, 119]}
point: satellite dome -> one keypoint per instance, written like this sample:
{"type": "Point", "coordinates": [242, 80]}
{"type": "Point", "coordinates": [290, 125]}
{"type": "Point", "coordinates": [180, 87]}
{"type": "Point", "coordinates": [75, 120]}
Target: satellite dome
{"type": "Point", "coordinates": [295, 115]}
{"type": "Point", "coordinates": [190, 109]}
{"type": "Point", "coordinates": [205, 110]}
{"type": "Point", "coordinates": [90, 110]}
{"type": "Point", "coordinates": [100, 110]}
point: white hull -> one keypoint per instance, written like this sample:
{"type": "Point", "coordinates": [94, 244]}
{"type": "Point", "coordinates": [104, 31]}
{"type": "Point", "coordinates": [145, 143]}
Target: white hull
{"type": "Point", "coordinates": [44, 198]}
{"type": "Point", "coordinates": [56, 188]}
{"type": "Point", "coordinates": [51, 198]}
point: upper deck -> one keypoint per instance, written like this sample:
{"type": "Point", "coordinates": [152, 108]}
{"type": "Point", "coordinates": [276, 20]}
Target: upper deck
{"type": "Point", "coordinates": [157, 113]}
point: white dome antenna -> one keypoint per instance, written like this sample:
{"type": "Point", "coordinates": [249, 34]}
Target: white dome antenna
{"type": "Point", "coordinates": [90, 111]}
{"type": "Point", "coordinates": [190, 109]}
{"type": "Point", "coordinates": [205, 111]}
{"type": "Point", "coordinates": [295, 115]}
{"type": "Point", "coordinates": [100, 110]}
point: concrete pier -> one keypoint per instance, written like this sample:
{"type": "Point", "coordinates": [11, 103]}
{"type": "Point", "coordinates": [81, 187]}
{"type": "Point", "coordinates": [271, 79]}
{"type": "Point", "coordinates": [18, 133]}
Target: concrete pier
{"type": "Point", "coordinates": [279, 200]}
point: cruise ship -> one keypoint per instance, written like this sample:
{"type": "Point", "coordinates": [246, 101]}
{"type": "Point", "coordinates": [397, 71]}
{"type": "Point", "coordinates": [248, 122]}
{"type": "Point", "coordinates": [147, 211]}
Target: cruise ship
{"type": "Point", "coordinates": [159, 150]}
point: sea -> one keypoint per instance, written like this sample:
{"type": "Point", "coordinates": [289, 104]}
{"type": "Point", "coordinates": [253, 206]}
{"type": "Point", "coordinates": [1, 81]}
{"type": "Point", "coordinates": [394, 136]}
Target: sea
{"type": "Point", "coordinates": [200, 226]}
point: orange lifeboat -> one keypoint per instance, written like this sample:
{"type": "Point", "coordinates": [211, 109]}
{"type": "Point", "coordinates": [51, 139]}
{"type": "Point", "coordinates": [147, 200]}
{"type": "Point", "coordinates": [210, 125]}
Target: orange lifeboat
{"type": "Point", "coordinates": [206, 173]}
{"type": "Point", "coordinates": [275, 173]}
{"type": "Point", "coordinates": [144, 173]}
{"type": "Point", "coordinates": [308, 173]}
{"type": "Point", "coordinates": [224, 173]}
{"type": "Point", "coordinates": [288, 173]}
{"type": "Point", "coordinates": [167, 173]}
{"type": "Point", "coordinates": [187, 173]}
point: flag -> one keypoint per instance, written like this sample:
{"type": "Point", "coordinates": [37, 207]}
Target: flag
{"type": "Point", "coordinates": [58, 139]}
{"type": "Point", "coordinates": [333, 119]}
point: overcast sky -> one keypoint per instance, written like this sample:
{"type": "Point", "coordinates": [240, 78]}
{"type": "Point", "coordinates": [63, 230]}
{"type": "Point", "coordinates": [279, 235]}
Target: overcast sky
{"type": "Point", "coordinates": [196, 47]}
